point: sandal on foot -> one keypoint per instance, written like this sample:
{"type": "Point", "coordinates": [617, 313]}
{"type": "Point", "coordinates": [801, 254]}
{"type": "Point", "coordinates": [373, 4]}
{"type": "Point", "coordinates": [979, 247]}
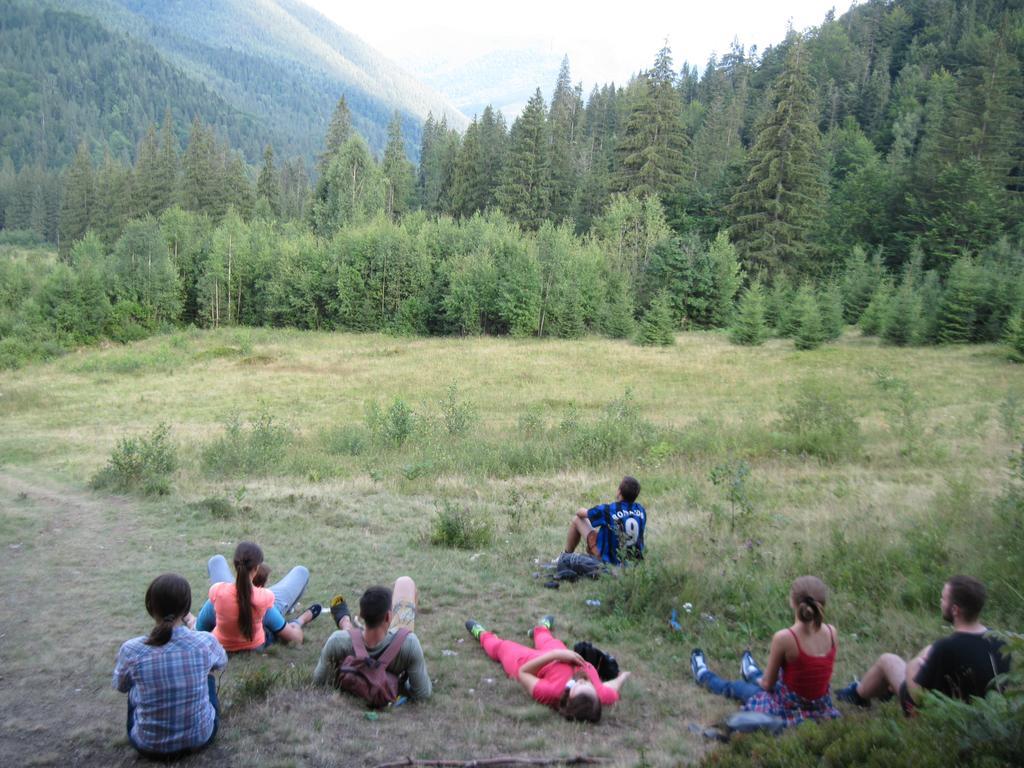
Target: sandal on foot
{"type": "Point", "coordinates": [339, 609]}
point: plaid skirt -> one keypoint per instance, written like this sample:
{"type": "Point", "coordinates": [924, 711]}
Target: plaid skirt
{"type": "Point", "coordinates": [794, 709]}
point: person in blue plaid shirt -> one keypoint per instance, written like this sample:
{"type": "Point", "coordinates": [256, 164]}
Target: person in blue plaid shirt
{"type": "Point", "coordinates": [612, 531]}
{"type": "Point", "coordinates": [172, 695]}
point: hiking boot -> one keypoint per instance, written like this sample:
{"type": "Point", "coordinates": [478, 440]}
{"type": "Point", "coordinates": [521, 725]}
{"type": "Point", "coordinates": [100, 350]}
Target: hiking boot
{"type": "Point", "coordinates": [749, 670]}
{"type": "Point", "coordinates": [699, 665]}
{"type": "Point", "coordinates": [547, 621]}
{"type": "Point", "coordinates": [850, 696]}
{"type": "Point", "coordinates": [475, 628]}
{"type": "Point", "coordinates": [339, 609]}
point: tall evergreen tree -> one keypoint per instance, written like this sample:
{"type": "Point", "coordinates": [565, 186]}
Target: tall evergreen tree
{"type": "Point", "coordinates": [652, 151]}
{"type": "Point", "coordinates": [338, 132]}
{"type": "Point", "coordinates": [397, 171]}
{"type": "Point", "coordinates": [525, 192]}
{"type": "Point", "coordinates": [268, 184]}
{"type": "Point", "coordinates": [166, 192]}
{"type": "Point", "coordinates": [147, 184]}
{"type": "Point", "coordinates": [564, 120]}
{"type": "Point", "coordinates": [79, 203]}
{"type": "Point", "coordinates": [779, 202]}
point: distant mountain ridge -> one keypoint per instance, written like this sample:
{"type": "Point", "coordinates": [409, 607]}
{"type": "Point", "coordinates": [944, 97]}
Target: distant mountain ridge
{"type": "Point", "coordinates": [278, 65]}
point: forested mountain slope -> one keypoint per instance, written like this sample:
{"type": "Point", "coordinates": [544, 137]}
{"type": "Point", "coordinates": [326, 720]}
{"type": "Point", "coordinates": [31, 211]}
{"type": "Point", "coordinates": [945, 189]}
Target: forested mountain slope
{"type": "Point", "coordinates": [281, 60]}
{"type": "Point", "coordinates": [266, 72]}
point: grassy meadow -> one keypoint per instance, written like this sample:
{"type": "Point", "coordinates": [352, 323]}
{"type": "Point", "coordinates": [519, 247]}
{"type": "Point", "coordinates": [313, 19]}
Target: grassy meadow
{"type": "Point", "coordinates": [459, 462]}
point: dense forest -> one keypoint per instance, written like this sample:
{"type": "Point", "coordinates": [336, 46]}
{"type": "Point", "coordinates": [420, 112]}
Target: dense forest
{"type": "Point", "coordinates": [866, 171]}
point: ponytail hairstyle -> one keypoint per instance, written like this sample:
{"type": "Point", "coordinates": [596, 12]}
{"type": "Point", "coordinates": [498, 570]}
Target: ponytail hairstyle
{"type": "Point", "coordinates": [168, 598]}
{"type": "Point", "coordinates": [809, 595]}
{"type": "Point", "coordinates": [247, 557]}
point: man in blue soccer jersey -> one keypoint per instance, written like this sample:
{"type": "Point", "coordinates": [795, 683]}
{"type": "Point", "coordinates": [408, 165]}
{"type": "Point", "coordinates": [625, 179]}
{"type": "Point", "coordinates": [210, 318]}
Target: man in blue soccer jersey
{"type": "Point", "coordinates": [612, 531]}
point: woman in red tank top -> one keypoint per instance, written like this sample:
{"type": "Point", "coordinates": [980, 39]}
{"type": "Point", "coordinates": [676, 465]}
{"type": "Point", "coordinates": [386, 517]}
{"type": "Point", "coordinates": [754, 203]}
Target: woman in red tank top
{"type": "Point", "coordinates": [795, 684]}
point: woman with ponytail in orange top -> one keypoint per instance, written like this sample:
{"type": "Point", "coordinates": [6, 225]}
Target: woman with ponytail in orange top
{"type": "Point", "coordinates": [246, 617]}
{"type": "Point", "coordinates": [795, 685]}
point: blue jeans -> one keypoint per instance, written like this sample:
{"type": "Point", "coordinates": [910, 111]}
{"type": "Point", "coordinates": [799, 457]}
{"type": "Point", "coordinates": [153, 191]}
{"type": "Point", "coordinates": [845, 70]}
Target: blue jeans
{"type": "Point", "coordinates": [286, 594]}
{"type": "Point", "coordinates": [740, 690]}
{"type": "Point", "coordinates": [211, 685]}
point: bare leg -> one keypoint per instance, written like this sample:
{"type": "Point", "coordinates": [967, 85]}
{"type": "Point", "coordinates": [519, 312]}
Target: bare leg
{"type": "Point", "coordinates": [883, 678]}
{"type": "Point", "coordinates": [404, 600]}
{"type": "Point", "coordinates": [579, 528]}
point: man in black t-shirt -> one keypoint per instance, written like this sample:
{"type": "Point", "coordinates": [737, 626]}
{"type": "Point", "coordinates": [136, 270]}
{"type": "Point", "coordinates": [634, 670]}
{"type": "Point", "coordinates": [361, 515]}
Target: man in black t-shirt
{"type": "Point", "coordinates": [960, 665]}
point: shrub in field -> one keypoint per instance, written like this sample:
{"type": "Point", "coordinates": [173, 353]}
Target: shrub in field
{"type": "Point", "coordinates": [140, 465]}
{"type": "Point", "coordinates": [644, 592]}
{"type": "Point", "coordinates": [392, 427]}
{"type": "Point", "coordinates": [345, 440]}
{"type": "Point", "coordinates": [458, 416]}
{"type": "Point", "coordinates": [459, 528]}
{"type": "Point", "coordinates": [246, 449]}
{"type": "Point", "coordinates": [820, 422]}
{"type": "Point", "coordinates": [734, 478]}
{"type": "Point", "coordinates": [620, 430]}
{"type": "Point", "coordinates": [904, 410]}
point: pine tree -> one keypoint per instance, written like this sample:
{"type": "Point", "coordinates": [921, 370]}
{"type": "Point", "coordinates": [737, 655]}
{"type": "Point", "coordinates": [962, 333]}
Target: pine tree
{"type": "Point", "coordinates": [657, 327]}
{"type": "Point", "coordinates": [397, 172]}
{"type": "Point", "coordinates": [147, 183]}
{"type": "Point", "coordinates": [113, 195]}
{"type": "Point", "coordinates": [931, 304]}
{"type": "Point", "coordinates": [166, 192]}
{"type": "Point", "coordinates": [203, 172]}
{"type": "Point", "coordinates": [958, 311]}
{"type": "Point", "coordinates": [268, 184]}
{"type": "Point", "coordinates": [778, 309]}
{"type": "Point", "coordinates": [778, 204]}
{"type": "Point", "coordinates": [1014, 336]}
{"type": "Point", "coordinates": [809, 331]}
{"type": "Point", "coordinates": [79, 203]}
{"type": "Point", "coordinates": [338, 132]}
{"type": "Point", "coordinates": [526, 188]}
{"type": "Point", "coordinates": [830, 302]}
{"type": "Point", "coordinates": [902, 321]}
{"type": "Point", "coordinates": [727, 276]}
{"type": "Point", "coordinates": [750, 328]}
{"type": "Point", "coordinates": [652, 153]}
{"type": "Point", "coordinates": [616, 315]}
{"type": "Point", "coordinates": [872, 321]}
{"type": "Point", "coordinates": [564, 128]}
{"type": "Point", "coordinates": [860, 280]}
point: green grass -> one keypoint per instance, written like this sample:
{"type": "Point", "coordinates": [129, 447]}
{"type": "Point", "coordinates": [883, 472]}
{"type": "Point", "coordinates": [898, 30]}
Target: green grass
{"type": "Point", "coordinates": [294, 439]}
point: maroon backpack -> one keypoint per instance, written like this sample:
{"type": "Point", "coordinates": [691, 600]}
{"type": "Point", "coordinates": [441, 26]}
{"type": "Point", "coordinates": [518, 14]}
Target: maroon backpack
{"type": "Point", "coordinates": [367, 677]}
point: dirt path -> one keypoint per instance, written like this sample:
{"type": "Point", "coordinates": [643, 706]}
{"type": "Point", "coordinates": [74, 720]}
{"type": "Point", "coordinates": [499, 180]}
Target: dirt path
{"type": "Point", "coordinates": [58, 544]}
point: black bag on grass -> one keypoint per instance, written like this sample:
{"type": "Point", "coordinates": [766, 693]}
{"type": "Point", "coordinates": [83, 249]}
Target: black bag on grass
{"type": "Point", "coordinates": [605, 664]}
{"type": "Point", "coordinates": [572, 565]}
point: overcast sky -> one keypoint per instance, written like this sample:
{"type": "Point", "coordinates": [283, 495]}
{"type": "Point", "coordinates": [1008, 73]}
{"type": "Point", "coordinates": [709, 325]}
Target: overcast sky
{"type": "Point", "coordinates": [604, 41]}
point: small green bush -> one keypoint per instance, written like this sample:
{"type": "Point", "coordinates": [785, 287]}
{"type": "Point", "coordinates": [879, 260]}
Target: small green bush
{"type": "Point", "coordinates": [458, 527]}
{"type": "Point", "coordinates": [140, 465]}
{"type": "Point", "coordinates": [820, 422]}
{"type": "Point", "coordinates": [217, 507]}
{"type": "Point", "coordinates": [242, 450]}
{"type": "Point", "coordinates": [458, 416]}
